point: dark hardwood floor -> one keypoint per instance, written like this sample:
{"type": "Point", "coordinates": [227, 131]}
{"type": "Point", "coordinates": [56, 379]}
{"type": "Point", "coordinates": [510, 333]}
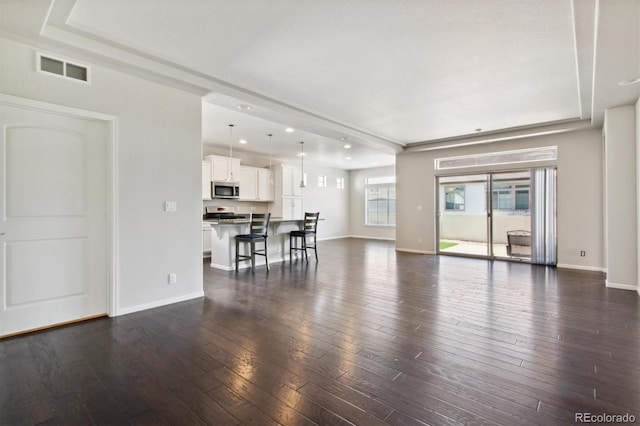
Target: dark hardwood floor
{"type": "Point", "coordinates": [366, 336]}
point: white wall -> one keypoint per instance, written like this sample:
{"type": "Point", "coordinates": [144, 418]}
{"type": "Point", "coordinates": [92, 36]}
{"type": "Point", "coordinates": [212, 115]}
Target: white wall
{"type": "Point", "coordinates": [620, 197]}
{"type": "Point", "coordinates": [158, 159]}
{"type": "Point", "coordinates": [580, 218]}
{"type": "Point", "coordinates": [331, 202]}
{"type": "Point", "coordinates": [357, 227]}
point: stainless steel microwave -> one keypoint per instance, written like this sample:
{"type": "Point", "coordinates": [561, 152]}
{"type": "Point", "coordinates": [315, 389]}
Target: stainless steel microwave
{"type": "Point", "coordinates": [225, 189]}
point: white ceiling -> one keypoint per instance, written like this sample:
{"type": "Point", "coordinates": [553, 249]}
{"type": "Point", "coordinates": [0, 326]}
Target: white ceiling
{"type": "Point", "coordinates": [387, 75]}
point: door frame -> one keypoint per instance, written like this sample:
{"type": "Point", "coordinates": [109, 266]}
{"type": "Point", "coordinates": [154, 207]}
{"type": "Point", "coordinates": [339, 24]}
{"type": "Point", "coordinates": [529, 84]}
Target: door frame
{"type": "Point", "coordinates": [111, 123]}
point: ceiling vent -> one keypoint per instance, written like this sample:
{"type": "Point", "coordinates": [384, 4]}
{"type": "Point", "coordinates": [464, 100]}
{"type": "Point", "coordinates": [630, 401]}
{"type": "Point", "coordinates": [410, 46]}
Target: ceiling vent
{"type": "Point", "coordinates": [62, 68]}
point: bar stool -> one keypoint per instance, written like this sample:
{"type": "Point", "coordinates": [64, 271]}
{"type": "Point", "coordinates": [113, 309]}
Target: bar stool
{"type": "Point", "coordinates": [258, 232]}
{"type": "Point", "coordinates": [308, 230]}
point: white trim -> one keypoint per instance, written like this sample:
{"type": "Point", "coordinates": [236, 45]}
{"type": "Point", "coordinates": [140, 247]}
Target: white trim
{"type": "Point", "coordinates": [621, 286]}
{"type": "Point", "coordinates": [113, 223]}
{"type": "Point", "coordinates": [159, 303]}
{"type": "Point", "coordinates": [245, 263]}
{"type": "Point", "coordinates": [333, 238]}
{"type": "Point", "coordinates": [406, 250]}
{"type": "Point", "coordinates": [222, 267]}
{"type": "Point", "coordinates": [56, 108]}
{"type": "Point", "coordinates": [112, 177]}
{"type": "Point", "coordinates": [581, 267]}
{"type": "Point", "coordinates": [367, 237]}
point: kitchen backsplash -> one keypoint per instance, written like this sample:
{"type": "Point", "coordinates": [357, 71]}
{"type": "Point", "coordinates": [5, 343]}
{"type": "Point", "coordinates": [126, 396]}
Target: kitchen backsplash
{"type": "Point", "coordinates": [238, 206]}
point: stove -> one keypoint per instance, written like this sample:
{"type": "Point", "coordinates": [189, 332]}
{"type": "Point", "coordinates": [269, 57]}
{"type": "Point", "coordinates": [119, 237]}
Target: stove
{"type": "Point", "coordinates": [211, 213]}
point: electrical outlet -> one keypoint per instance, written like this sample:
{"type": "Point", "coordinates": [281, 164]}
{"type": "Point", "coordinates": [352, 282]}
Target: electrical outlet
{"type": "Point", "coordinates": [170, 206]}
{"type": "Point", "coordinates": [173, 278]}
{"type": "Point", "coordinates": [419, 240]}
{"type": "Point", "coordinates": [583, 253]}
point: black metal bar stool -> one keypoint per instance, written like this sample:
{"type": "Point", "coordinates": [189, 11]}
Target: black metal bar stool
{"type": "Point", "coordinates": [258, 232]}
{"type": "Point", "coordinates": [308, 231]}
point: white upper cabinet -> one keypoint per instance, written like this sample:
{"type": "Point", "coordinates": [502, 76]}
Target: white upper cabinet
{"type": "Point", "coordinates": [288, 202]}
{"type": "Point", "coordinates": [255, 184]}
{"type": "Point", "coordinates": [224, 168]}
{"type": "Point", "coordinates": [248, 183]}
{"type": "Point", "coordinates": [291, 177]}
{"type": "Point", "coordinates": [265, 185]}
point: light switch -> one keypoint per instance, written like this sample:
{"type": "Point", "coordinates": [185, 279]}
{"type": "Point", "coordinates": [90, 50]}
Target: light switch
{"type": "Point", "coordinates": [170, 206]}
{"type": "Point", "coordinates": [419, 208]}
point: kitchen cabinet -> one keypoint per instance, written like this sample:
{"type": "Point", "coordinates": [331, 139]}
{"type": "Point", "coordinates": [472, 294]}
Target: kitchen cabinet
{"type": "Point", "coordinates": [255, 184]}
{"type": "Point", "coordinates": [224, 168]}
{"type": "Point", "coordinates": [206, 241]}
{"type": "Point", "coordinates": [265, 185]}
{"type": "Point", "coordinates": [288, 201]}
{"type": "Point", "coordinates": [291, 177]}
{"type": "Point", "coordinates": [248, 183]}
{"type": "Point", "coordinates": [292, 208]}
{"type": "Point", "coordinates": [206, 180]}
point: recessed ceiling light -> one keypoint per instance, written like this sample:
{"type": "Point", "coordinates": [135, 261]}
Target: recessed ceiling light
{"type": "Point", "coordinates": [629, 82]}
{"type": "Point", "coordinates": [289, 130]}
{"type": "Point", "coordinates": [244, 107]}
{"type": "Point", "coordinates": [344, 138]}
{"type": "Point", "coordinates": [347, 146]}
{"type": "Point", "coordinates": [375, 163]}
{"type": "Point", "coordinates": [348, 158]}
{"type": "Point", "coordinates": [243, 141]}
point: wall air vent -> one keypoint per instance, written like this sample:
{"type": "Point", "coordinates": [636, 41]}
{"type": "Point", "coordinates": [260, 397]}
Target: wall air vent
{"type": "Point", "coordinates": [62, 68]}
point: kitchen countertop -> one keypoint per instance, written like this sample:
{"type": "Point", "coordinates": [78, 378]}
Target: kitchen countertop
{"type": "Point", "coordinates": [273, 220]}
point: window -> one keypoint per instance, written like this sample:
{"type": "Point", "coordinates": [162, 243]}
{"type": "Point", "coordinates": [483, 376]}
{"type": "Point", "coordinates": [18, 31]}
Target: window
{"type": "Point", "coordinates": [522, 197]}
{"type": "Point", "coordinates": [340, 183]}
{"type": "Point", "coordinates": [454, 198]}
{"type": "Point", "coordinates": [380, 196]}
{"type": "Point", "coordinates": [547, 153]}
{"type": "Point", "coordinates": [322, 181]}
{"type": "Point", "coordinates": [510, 197]}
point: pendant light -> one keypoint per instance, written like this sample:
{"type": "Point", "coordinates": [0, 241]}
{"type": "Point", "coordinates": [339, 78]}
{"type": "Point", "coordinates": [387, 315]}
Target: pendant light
{"type": "Point", "coordinates": [302, 185]}
{"type": "Point", "coordinates": [230, 176]}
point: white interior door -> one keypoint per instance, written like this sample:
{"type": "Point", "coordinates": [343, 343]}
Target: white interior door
{"type": "Point", "coordinates": [53, 224]}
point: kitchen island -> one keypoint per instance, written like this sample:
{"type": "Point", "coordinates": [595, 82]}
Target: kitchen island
{"type": "Point", "coordinates": [223, 243]}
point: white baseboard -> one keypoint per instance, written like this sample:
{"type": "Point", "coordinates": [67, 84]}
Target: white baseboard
{"type": "Point", "coordinates": [621, 286]}
{"type": "Point", "coordinates": [580, 267]}
{"type": "Point", "coordinates": [158, 303]}
{"type": "Point", "coordinates": [405, 250]}
{"type": "Point", "coordinates": [222, 267]}
{"type": "Point", "coordinates": [365, 237]}
{"type": "Point", "coordinates": [244, 264]}
{"type": "Point", "coordinates": [333, 238]}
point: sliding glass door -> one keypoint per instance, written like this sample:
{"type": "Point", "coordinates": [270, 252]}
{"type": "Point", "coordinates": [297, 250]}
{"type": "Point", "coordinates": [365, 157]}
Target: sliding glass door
{"type": "Point", "coordinates": [463, 226]}
{"type": "Point", "coordinates": [511, 214]}
{"type": "Point", "coordinates": [507, 215]}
